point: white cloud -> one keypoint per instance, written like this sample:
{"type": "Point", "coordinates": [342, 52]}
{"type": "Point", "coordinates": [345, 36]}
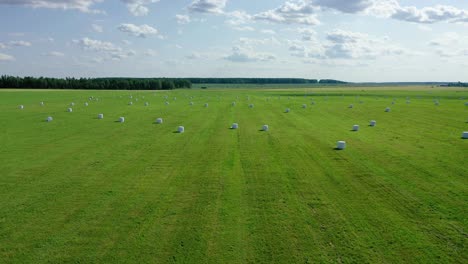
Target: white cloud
{"type": "Point", "coordinates": [138, 7]}
{"type": "Point", "coordinates": [97, 28]}
{"type": "Point", "coordinates": [182, 19]}
{"type": "Point", "coordinates": [208, 6]}
{"type": "Point", "coordinates": [301, 12]}
{"type": "Point", "coordinates": [138, 31]}
{"type": "Point", "coordinates": [243, 28]}
{"type": "Point", "coordinates": [96, 45]}
{"type": "Point", "coordinates": [450, 44]}
{"type": "Point", "coordinates": [193, 56]}
{"type": "Point", "coordinates": [80, 5]}
{"type": "Point", "coordinates": [345, 6]}
{"type": "Point", "coordinates": [55, 54]}
{"type": "Point", "coordinates": [242, 54]}
{"type": "Point", "coordinates": [151, 53]}
{"type": "Point", "coordinates": [237, 18]}
{"type": "Point", "coordinates": [3, 46]}
{"type": "Point", "coordinates": [430, 15]}
{"type": "Point", "coordinates": [346, 45]}
{"type": "Point", "coordinates": [6, 57]}
{"type": "Point", "coordinates": [20, 43]}
{"type": "Point", "coordinates": [268, 31]}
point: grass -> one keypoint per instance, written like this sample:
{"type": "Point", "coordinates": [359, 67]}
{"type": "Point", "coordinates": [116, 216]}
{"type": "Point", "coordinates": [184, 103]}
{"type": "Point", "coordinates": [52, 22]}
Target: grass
{"type": "Point", "coordinates": [84, 190]}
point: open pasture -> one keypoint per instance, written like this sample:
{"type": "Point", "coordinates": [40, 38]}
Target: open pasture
{"type": "Point", "coordinates": [95, 190]}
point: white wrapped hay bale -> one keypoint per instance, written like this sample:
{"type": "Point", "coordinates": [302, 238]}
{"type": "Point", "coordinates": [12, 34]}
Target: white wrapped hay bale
{"type": "Point", "coordinates": [167, 103]}
{"type": "Point", "coordinates": [42, 103]}
{"type": "Point", "coordinates": [436, 103]}
{"type": "Point", "coordinates": [356, 128]}
{"type": "Point", "coordinates": [265, 128]}
{"type": "Point", "coordinates": [131, 97]}
{"type": "Point", "coordinates": [408, 102]}
{"type": "Point", "coordinates": [86, 104]}
{"type": "Point", "coordinates": [312, 103]}
{"type": "Point", "coordinates": [235, 126]}
{"type": "Point", "coordinates": [181, 129]}
{"type": "Point", "coordinates": [287, 110]}
{"type": "Point", "coordinates": [100, 116]}
{"type": "Point", "coordinates": [233, 103]}
{"type": "Point", "coordinates": [341, 145]}
{"type": "Point", "coordinates": [130, 103]}
{"type": "Point", "coordinates": [136, 99]}
{"type": "Point", "coordinates": [159, 121]}
{"type": "Point", "coordinates": [191, 103]}
{"type": "Point", "coordinates": [49, 119]}
{"type": "Point", "coordinates": [121, 119]}
{"type": "Point", "coordinates": [373, 123]}
{"type": "Point", "coordinates": [205, 105]}
{"type": "Point", "coordinates": [387, 109]}
{"type": "Point", "coordinates": [351, 106]}
{"type": "Point", "coordinates": [466, 104]}
{"type": "Point", "coordinates": [393, 102]}
{"type": "Point", "coordinates": [146, 103]}
{"type": "Point", "coordinates": [21, 106]}
{"type": "Point", "coordinates": [72, 104]}
{"type": "Point", "coordinates": [251, 106]}
{"type": "Point", "coordinates": [70, 110]}
{"type": "Point", "coordinates": [304, 106]}
{"type": "Point", "coordinates": [465, 135]}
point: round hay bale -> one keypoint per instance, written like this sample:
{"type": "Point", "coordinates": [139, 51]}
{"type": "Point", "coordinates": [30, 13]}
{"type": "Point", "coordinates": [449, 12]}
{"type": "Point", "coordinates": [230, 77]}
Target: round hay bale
{"type": "Point", "coordinates": [233, 103]}
{"type": "Point", "coordinates": [42, 103]}
{"type": "Point", "coordinates": [341, 145]}
{"type": "Point", "coordinates": [466, 104]}
{"type": "Point", "coordinates": [49, 119]}
{"type": "Point", "coordinates": [436, 103]}
{"type": "Point", "coordinates": [373, 123]}
{"type": "Point", "coordinates": [181, 129]}
{"type": "Point", "coordinates": [465, 135]}
{"type": "Point", "coordinates": [205, 105]}
{"type": "Point", "coordinates": [131, 96]}
{"type": "Point", "coordinates": [21, 107]}
{"type": "Point", "coordinates": [175, 98]}
{"type": "Point", "coordinates": [235, 126]}
{"type": "Point", "coordinates": [167, 103]}
{"type": "Point", "coordinates": [121, 119]}
{"type": "Point", "coordinates": [312, 103]}
{"type": "Point", "coordinates": [265, 128]}
{"type": "Point", "coordinates": [351, 106]}
{"type": "Point", "coordinates": [408, 102]}
{"type": "Point", "coordinates": [72, 104]}
{"type": "Point", "coordinates": [159, 120]}
{"type": "Point", "coordinates": [100, 116]}
{"type": "Point", "coordinates": [70, 110]}
{"type": "Point", "coordinates": [146, 103]}
{"type": "Point", "coordinates": [86, 104]}
{"type": "Point", "coordinates": [356, 128]}
{"type": "Point", "coordinates": [130, 103]}
{"type": "Point", "coordinates": [287, 110]}
{"type": "Point", "coordinates": [387, 109]}
{"type": "Point", "coordinates": [191, 103]}
{"type": "Point", "coordinates": [304, 106]}
{"type": "Point", "coordinates": [136, 99]}
{"type": "Point", "coordinates": [251, 106]}
{"type": "Point", "coordinates": [393, 102]}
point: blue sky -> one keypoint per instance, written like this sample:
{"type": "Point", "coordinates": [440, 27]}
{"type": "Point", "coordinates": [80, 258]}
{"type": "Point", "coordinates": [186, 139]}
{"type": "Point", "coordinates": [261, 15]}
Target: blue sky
{"type": "Point", "coordinates": [352, 40]}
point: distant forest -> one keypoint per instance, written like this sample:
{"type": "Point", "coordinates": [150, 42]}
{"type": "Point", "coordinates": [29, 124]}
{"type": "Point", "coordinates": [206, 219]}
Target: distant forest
{"type": "Point", "coordinates": [458, 84]}
{"type": "Point", "coordinates": [94, 83]}
{"type": "Point", "coordinates": [141, 83]}
{"type": "Point", "coordinates": [262, 81]}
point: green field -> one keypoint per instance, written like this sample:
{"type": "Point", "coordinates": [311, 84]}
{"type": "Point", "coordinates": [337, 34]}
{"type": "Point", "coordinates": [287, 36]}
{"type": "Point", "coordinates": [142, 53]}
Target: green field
{"type": "Point", "coordinates": [84, 190]}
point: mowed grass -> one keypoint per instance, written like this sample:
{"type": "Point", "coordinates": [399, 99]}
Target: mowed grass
{"type": "Point", "coordinates": [83, 190]}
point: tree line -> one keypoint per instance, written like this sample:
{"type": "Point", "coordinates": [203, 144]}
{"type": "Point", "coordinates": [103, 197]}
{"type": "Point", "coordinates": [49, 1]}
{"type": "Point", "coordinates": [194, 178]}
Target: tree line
{"type": "Point", "coordinates": [93, 83]}
{"type": "Point", "coordinates": [140, 83]}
